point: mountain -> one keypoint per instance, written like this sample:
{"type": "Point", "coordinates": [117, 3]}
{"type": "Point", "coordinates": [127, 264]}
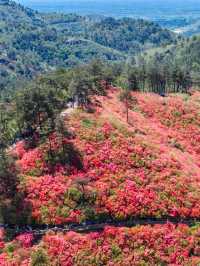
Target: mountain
{"type": "Point", "coordinates": [136, 171]}
{"type": "Point", "coordinates": [129, 35]}
{"type": "Point", "coordinates": [181, 17]}
{"type": "Point", "coordinates": [32, 42]}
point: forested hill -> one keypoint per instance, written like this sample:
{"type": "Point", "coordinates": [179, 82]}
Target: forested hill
{"type": "Point", "coordinates": [129, 35]}
{"type": "Point", "coordinates": [182, 59]}
{"type": "Point", "coordinates": [31, 42]}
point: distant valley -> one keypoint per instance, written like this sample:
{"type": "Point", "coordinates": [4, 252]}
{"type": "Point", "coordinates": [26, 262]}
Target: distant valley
{"type": "Point", "coordinates": [179, 16]}
{"type": "Point", "coordinates": [33, 42]}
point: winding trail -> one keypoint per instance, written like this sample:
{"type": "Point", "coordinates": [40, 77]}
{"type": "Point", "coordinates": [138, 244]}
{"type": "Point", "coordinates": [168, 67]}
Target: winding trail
{"type": "Point", "coordinates": [88, 227]}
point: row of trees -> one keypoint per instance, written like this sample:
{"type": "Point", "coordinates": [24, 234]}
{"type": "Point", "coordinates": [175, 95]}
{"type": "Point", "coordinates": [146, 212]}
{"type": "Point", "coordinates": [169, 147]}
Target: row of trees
{"type": "Point", "coordinates": [150, 75]}
{"type": "Point", "coordinates": [154, 76]}
{"type": "Point", "coordinates": [36, 107]}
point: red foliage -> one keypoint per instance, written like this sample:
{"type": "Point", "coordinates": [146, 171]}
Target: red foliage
{"type": "Point", "coordinates": [144, 245]}
{"type": "Point", "coordinates": [149, 167]}
{"type": "Point", "coordinates": [2, 244]}
{"type": "Point", "coordinates": [18, 149]}
{"type": "Point", "coordinates": [145, 168]}
{"type": "Point", "coordinates": [25, 240]}
{"type": "Point", "coordinates": [31, 161]}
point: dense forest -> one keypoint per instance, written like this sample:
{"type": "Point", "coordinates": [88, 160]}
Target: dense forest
{"type": "Point", "coordinates": [31, 43]}
{"type": "Point", "coordinates": [184, 55]}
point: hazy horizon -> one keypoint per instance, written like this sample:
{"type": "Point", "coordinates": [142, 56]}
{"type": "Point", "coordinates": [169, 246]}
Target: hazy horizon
{"type": "Point", "coordinates": [117, 8]}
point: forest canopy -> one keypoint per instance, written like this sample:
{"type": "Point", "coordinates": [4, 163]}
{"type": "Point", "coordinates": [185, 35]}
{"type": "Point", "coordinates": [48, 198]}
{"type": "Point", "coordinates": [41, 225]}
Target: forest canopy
{"type": "Point", "coordinates": [31, 43]}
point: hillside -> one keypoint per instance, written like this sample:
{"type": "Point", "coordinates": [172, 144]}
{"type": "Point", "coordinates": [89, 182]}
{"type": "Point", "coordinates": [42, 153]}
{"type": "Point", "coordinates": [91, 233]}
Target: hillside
{"type": "Point", "coordinates": [176, 62]}
{"type": "Point", "coordinates": [186, 54]}
{"type": "Point", "coordinates": [179, 16]}
{"type": "Point", "coordinates": [32, 43]}
{"type": "Point", "coordinates": [129, 35]}
{"type": "Point", "coordinates": [148, 167]}
{"type": "Point", "coordinates": [99, 141]}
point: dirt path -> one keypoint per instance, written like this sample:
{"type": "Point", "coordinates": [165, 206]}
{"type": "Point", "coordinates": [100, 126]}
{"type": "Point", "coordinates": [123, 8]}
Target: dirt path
{"type": "Point", "coordinates": [67, 112]}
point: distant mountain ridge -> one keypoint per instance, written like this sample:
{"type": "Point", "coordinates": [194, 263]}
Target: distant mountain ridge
{"type": "Point", "coordinates": [32, 42]}
{"type": "Point", "coordinates": [179, 16]}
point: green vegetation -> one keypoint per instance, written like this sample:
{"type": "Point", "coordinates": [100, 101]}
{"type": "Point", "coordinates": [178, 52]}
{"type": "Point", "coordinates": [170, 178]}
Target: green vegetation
{"type": "Point", "coordinates": [39, 258]}
{"type": "Point", "coordinates": [32, 43]}
{"type": "Point", "coordinates": [180, 61]}
{"type": "Point", "coordinates": [33, 115]}
{"type": "Point", "coordinates": [129, 35]}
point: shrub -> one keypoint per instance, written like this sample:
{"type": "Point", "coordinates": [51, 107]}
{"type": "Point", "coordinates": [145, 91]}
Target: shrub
{"type": "Point", "coordinates": [40, 258]}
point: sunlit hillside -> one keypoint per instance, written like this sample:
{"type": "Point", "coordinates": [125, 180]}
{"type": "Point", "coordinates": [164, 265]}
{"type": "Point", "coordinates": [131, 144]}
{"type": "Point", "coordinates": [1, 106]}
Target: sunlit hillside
{"type": "Point", "coordinates": [121, 166]}
{"type": "Point", "coordinates": [99, 133]}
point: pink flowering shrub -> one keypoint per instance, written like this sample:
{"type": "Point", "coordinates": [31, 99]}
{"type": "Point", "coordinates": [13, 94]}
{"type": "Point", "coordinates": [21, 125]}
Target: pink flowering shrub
{"type": "Point", "coordinates": [144, 168]}
{"type": "Point", "coordinates": [17, 252]}
{"type": "Point", "coordinates": [143, 245]}
{"type": "Point", "coordinates": [25, 240]}
{"type": "Point", "coordinates": [50, 199]}
{"type": "Point", "coordinates": [175, 113]}
{"type": "Point", "coordinates": [2, 244]}
{"type": "Point", "coordinates": [19, 149]}
{"type": "Point", "coordinates": [31, 162]}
